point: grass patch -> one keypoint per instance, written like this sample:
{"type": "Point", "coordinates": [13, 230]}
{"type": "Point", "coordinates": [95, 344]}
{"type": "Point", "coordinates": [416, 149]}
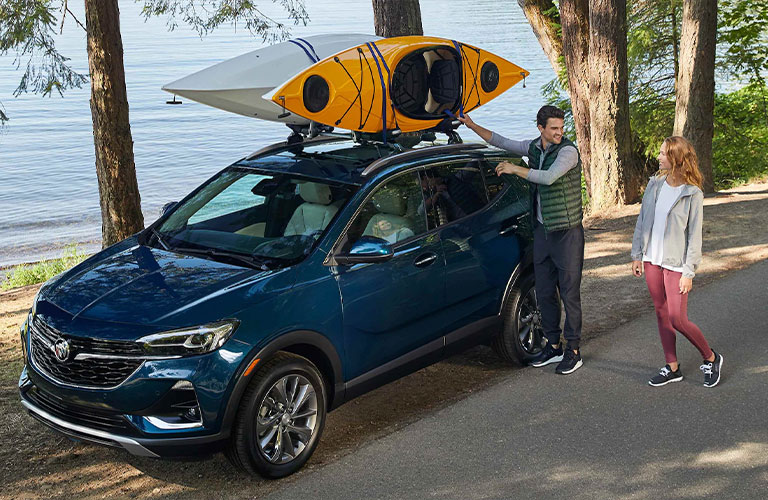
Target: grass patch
{"type": "Point", "coordinates": [29, 274]}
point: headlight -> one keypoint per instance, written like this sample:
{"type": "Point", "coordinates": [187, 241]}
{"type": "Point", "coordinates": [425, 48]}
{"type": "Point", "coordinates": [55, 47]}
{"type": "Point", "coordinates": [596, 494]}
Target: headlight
{"type": "Point", "coordinates": [188, 341]}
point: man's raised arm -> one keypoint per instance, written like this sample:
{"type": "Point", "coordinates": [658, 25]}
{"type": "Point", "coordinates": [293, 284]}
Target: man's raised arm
{"type": "Point", "coordinates": [519, 148]}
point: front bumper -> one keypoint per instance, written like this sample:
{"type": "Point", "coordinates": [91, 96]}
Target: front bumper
{"type": "Point", "coordinates": [86, 425]}
{"type": "Point", "coordinates": [80, 432]}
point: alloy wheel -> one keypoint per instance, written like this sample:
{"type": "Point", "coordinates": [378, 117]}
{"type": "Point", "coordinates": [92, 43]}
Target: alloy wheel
{"type": "Point", "coordinates": [530, 330]}
{"type": "Point", "coordinates": [287, 419]}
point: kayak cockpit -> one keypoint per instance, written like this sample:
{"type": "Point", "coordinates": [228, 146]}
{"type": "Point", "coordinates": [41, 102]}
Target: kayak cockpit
{"type": "Point", "coordinates": [427, 82]}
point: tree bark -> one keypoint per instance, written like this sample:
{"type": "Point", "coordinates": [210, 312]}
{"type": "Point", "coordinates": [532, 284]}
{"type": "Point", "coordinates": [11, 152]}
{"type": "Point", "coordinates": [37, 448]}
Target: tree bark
{"type": "Point", "coordinates": [574, 19]}
{"type": "Point", "coordinates": [545, 28]}
{"type": "Point", "coordinates": [115, 169]}
{"type": "Point", "coordinates": [695, 95]}
{"type": "Point", "coordinates": [397, 18]}
{"type": "Point", "coordinates": [613, 178]}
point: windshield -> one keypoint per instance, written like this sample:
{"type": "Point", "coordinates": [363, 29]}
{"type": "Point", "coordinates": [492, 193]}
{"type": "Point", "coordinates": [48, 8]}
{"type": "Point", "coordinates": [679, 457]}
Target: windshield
{"type": "Point", "coordinates": [254, 217]}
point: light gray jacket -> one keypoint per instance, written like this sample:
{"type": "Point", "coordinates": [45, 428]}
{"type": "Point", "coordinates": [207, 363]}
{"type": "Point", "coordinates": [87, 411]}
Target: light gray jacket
{"type": "Point", "coordinates": [682, 234]}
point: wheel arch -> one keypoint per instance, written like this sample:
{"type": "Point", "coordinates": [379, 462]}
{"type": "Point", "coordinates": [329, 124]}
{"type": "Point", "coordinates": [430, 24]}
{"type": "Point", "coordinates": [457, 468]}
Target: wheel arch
{"type": "Point", "coordinates": [523, 270]}
{"type": "Point", "coordinates": [312, 345]}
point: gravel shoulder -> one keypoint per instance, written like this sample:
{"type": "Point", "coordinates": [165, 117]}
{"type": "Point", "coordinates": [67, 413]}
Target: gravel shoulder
{"type": "Point", "coordinates": [38, 463]}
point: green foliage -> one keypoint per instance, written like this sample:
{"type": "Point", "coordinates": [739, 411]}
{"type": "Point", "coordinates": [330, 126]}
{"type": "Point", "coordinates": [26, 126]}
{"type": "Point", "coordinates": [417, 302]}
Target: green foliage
{"type": "Point", "coordinates": [205, 16]}
{"type": "Point", "coordinates": [29, 274]}
{"type": "Point", "coordinates": [653, 33]}
{"type": "Point", "coordinates": [740, 145]}
{"type": "Point", "coordinates": [27, 28]}
{"type": "Point", "coordinates": [743, 37]}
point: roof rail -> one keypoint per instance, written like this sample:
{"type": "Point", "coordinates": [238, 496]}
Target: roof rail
{"type": "Point", "coordinates": [273, 148]}
{"type": "Point", "coordinates": [418, 153]}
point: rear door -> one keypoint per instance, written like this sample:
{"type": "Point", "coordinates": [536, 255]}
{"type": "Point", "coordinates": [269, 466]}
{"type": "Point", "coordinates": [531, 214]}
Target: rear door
{"type": "Point", "coordinates": [480, 222]}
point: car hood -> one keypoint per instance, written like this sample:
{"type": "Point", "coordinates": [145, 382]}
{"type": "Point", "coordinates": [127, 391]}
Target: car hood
{"type": "Point", "coordinates": [145, 285]}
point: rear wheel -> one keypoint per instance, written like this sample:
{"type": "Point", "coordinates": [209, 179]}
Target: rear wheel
{"type": "Point", "coordinates": [280, 418]}
{"type": "Point", "coordinates": [522, 337]}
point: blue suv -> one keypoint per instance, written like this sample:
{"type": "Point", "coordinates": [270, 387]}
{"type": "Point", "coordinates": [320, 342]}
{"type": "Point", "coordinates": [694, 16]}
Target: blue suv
{"type": "Point", "coordinates": [289, 283]}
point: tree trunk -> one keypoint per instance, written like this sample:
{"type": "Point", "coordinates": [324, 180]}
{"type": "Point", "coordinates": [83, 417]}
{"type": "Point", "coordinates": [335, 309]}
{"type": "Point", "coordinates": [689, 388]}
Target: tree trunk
{"type": "Point", "coordinates": [574, 19]}
{"type": "Point", "coordinates": [695, 97]}
{"type": "Point", "coordinates": [613, 179]}
{"type": "Point", "coordinates": [115, 169]}
{"type": "Point", "coordinates": [545, 28]}
{"type": "Point", "coordinates": [397, 18]}
{"type": "Point", "coordinates": [675, 41]}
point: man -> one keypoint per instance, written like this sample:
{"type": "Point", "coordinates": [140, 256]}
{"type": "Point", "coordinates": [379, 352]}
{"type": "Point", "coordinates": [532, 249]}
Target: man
{"type": "Point", "coordinates": [558, 236]}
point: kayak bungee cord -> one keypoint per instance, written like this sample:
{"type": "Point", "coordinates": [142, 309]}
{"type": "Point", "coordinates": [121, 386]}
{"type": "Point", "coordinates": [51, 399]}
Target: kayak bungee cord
{"type": "Point", "coordinates": [361, 56]}
{"type": "Point", "coordinates": [383, 97]}
{"type": "Point", "coordinates": [474, 77]}
{"type": "Point", "coordinates": [461, 65]}
{"type": "Point", "coordinates": [389, 79]}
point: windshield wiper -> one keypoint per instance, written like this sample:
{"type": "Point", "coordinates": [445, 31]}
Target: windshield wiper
{"type": "Point", "coordinates": [249, 260]}
{"type": "Point", "coordinates": [159, 238]}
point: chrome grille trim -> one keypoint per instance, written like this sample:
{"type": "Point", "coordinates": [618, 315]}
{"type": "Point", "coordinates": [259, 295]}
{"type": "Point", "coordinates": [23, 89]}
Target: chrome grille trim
{"type": "Point", "coordinates": [110, 370]}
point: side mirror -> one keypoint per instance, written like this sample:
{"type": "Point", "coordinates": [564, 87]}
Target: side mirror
{"type": "Point", "coordinates": [168, 207]}
{"type": "Point", "coordinates": [368, 249]}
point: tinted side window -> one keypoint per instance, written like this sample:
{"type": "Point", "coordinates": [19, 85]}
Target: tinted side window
{"type": "Point", "coordinates": [455, 190]}
{"type": "Point", "coordinates": [392, 212]}
{"type": "Point", "coordinates": [496, 184]}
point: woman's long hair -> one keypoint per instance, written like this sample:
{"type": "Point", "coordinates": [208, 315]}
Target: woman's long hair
{"type": "Point", "coordinates": [683, 160]}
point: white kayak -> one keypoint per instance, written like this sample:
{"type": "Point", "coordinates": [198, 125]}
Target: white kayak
{"type": "Point", "coordinates": [238, 84]}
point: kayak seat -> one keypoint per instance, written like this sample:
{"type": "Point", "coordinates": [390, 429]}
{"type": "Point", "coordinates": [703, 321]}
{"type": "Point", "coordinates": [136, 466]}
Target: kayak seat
{"type": "Point", "coordinates": [316, 211]}
{"type": "Point", "coordinates": [410, 85]}
{"type": "Point", "coordinates": [444, 86]}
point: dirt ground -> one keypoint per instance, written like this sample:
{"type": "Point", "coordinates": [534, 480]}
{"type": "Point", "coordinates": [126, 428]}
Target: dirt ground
{"type": "Point", "coordinates": [38, 463]}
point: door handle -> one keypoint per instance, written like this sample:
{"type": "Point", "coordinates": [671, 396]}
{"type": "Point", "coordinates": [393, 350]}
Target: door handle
{"type": "Point", "coordinates": [508, 230]}
{"type": "Point", "coordinates": [425, 259]}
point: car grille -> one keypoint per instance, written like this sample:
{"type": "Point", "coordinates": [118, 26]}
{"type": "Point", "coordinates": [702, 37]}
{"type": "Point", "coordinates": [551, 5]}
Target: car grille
{"type": "Point", "coordinates": [83, 367]}
{"type": "Point", "coordinates": [88, 417]}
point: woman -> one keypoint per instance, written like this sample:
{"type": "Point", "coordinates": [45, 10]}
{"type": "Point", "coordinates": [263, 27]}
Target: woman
{"type": "Point", "coordinates": [667, 246]}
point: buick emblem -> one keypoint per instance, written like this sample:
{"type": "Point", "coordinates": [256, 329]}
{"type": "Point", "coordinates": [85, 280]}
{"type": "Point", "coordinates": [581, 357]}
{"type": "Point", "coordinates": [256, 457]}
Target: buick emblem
{"type": "Point", "coordinates": [61, 350]}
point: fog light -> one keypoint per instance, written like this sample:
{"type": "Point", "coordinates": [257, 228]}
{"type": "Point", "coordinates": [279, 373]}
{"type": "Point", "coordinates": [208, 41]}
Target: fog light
{"type": "Point", "coordinates": [178, 409]}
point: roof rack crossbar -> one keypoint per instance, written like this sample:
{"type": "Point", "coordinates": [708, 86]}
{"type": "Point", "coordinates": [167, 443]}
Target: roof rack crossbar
{"type": "Point", "coordinates": [273, 148]}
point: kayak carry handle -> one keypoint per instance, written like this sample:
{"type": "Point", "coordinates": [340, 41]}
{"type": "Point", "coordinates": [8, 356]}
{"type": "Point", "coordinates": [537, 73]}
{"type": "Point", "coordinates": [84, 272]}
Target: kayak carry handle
{"type": "Point", "coordinates": [284, 114]}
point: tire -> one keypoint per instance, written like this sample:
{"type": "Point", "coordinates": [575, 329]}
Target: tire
{"type": "Point", "coordinates": [267, 424]}
{"type": "Point", "coordinates": [521, 338]}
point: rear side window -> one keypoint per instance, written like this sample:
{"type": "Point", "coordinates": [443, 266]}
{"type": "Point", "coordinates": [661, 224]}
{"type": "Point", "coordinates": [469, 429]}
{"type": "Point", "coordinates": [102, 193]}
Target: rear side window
{"type": "Point", "coordinates": [455, 190]}
{"type": "Point", "coordinates": [496, 184]}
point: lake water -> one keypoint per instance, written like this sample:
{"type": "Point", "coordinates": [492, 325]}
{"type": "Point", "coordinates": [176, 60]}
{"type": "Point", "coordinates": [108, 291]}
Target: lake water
{"type": "Point", "coordinates": [48, 191]}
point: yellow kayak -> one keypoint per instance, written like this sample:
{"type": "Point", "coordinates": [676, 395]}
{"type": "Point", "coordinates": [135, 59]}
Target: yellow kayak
{"type": "Point", "coordinates": [406, 83]}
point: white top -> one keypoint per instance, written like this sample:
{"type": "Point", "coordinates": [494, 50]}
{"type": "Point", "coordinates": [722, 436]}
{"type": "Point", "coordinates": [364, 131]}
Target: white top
{"type": "Point", "coordinates": [654, 254]}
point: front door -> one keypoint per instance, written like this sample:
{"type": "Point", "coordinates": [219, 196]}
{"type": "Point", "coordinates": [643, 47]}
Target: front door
{"type": "Point", "coordinates": [390, 308]}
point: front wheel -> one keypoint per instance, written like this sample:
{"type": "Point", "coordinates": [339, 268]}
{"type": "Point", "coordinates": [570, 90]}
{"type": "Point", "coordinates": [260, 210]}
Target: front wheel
{"type": "Point", "coordinates": [521, 338]}
{"type": "Point", "coordinates": [280, 418]}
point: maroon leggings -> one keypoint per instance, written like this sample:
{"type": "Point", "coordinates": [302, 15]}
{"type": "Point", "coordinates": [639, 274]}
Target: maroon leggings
{"type": "Point", "coordinates": [672, 311]}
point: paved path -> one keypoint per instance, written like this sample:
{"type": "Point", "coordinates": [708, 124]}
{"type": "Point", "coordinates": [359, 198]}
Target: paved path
{"type": "Point", "coordinates": [600, 433]}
